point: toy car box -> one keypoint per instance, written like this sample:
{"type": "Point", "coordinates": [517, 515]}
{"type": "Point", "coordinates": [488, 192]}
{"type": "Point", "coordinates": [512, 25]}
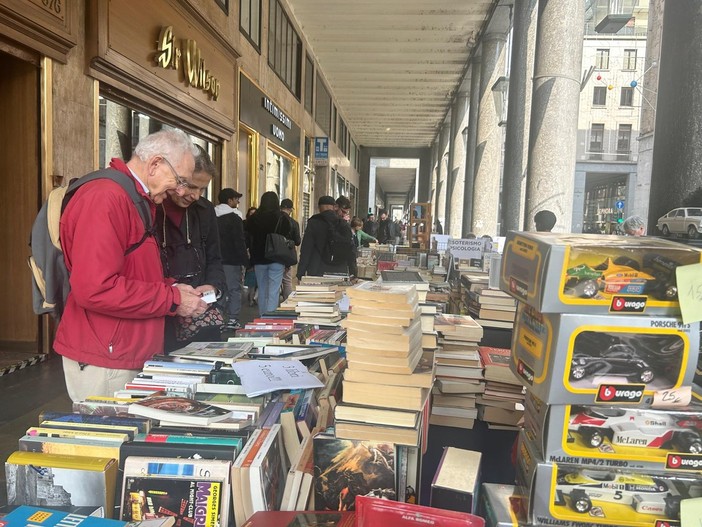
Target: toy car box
{"type": "Point", "coordinates": [591, 273]}
{"type": "Point", "coordinates": [602, 359]}
{"type": "Point", "coordinates": [616, 437]}
{"type": "Point", "coordinates": [573, 496]}
{"type": "Point", "coordinates": [500, 505]}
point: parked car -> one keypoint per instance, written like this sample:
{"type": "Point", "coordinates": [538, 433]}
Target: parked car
{"type": "Point", "coordinates": [637, 428]}
{"type": "Point", "coordinates": [645, 494]}
{"type": "Point", "coordinates": [684, 220]}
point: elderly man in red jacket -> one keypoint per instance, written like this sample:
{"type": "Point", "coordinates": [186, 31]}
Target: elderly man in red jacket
{"type": "Point", "coordinates": [115, 312]}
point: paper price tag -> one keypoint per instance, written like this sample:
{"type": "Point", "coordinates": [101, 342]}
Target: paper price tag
{"type": "Point", "coordinates": [672, 398]}
{"type": "Point", "coordinates": [691, 512]}
{"type": "Point", "coordinates": [689, 280]}
{"type": "Point", "coordinates": [209, 297]}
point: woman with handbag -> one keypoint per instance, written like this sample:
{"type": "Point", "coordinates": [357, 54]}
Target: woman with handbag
{"type": "Point", "coordinates": [269, 237]}
{"type": "Point", "coordinates": [187, 233]}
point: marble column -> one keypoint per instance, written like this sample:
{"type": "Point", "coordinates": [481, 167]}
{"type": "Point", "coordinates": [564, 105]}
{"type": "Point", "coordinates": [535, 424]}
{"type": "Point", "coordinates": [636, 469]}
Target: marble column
{"type": "Point", "coordinates": [456, 163]}
{"type": "Point", "coordinates": [488, 153]}
{"type": "Point", "coordinates": [554, 111]}
{"type": "Point", "coordinates": [471, 143]}
{"type": "Point", "coordinates": [518, 111]}
{"type": "Point", "coordinates": [677, 147]}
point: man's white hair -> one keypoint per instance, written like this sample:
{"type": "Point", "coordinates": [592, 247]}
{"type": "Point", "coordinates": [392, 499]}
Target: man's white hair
{"type": "Point", "coordinates": [173, 144]}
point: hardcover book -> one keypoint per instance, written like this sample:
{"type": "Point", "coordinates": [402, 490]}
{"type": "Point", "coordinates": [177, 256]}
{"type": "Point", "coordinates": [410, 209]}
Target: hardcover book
{"type": "Point", "coordinates": [302, 519]}
{"type": "Point", "coordinates": [267, 472]}
{"type": "Point", "coordinates": [143, 425]}
{"type": "Point", "coordinates": [178, 410]}
{"type": "Point", "coordinates": [373, 512]}
{"type": "Point", "coordinates": [38, 479]}
{"type": "Point", "coordinates": [457, 480]}
{"type": "Point", "coordinates": [226, 352]}
{"type": "Point", "coordinates": [348, 468]}
{"type": "Point", "coordinates": [496, 362]}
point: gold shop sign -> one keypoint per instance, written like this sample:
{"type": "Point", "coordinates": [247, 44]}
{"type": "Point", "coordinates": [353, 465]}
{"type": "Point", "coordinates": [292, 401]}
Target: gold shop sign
{"type": "Point", "coordinates": [172, 53]}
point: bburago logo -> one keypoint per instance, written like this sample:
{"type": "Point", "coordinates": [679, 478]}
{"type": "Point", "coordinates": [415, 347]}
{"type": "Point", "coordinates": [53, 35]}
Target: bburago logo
{"type": "Point", "coordinates": [666, 523]}
{"type": "Point", "coordinates": [518, 288]}
{"type": "Point", "coordinates": [525, 372]}
{"type": "Point", "coordinates": [620, 393]}
{"type": "Point", "coordinates": [684, 461]}
{"type": "Point", "coordinates": [628, 304]}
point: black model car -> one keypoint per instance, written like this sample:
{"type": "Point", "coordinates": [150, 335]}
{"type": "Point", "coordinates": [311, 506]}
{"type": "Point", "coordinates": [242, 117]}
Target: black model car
{"type": "Point", "coordinates": [604, 354]}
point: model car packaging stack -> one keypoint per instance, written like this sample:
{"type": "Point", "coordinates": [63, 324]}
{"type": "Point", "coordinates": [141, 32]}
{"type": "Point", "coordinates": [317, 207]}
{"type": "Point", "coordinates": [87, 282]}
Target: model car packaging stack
{"type": "Point", "coordinates": [609, 437]}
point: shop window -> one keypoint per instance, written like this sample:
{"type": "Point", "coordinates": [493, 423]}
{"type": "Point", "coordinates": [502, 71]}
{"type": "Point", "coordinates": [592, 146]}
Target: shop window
{"type": "Point", "coordinates": [340, 186]}
{"type": "Point", "coordinates": [281, 174]}
{"type": "Point", "coordinates": [120, 129]}
{"type": "Point", "coordinates": [343, 138]}
{"type": "Point", "coordinates": [307, 193]}
{"type": "Point", "coordinates": [596, 141]}
{"type": "Point", "coordinates": [309, 83]}
{"type": "Point", "coordinates": [627, 97]}
{"type": "Point", "coordinates": [599, 96]}
{"type": "Point", "coordinates": [284, 48]}
{"type": "Point", "coordinates": [624, 142]}
{"type": "Point", "coordinates": [333, 123]}
{"type": "Point", "coordinates": [629, 60]}
{"type": "Point", "coordinates": [353, 157]}
{"type": "Point", "coordinates": [322, 110]}
{"type": "Point", "coordinates": [246, 168]}
{"type": "Point", "coordinates": [602, 59]}
{"type": "Point", "coordinates": [250, 21]}
{"type": "Point", "coordinates": [223, 4]}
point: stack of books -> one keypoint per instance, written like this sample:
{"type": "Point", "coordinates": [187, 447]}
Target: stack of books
{"type": "Point", "coordinates": [317, 303]}
{"type": "Point", "coordinates": [385, 389]}
{"type": "Point", "coordinates": [492, 307]}
{"type": "Point", "coordinates": [501, 405]}
{"type": "Point", "coordinates": [459, 371]}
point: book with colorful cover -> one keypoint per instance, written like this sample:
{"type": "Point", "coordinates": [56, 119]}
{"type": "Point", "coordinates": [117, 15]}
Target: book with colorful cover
{"type": "Point", "coordinates": [226, 352]}
{"type": "Point", "coordinates": [143, 424]}
{"type": "Point", "coordinates": [496, 363]}
{"type": "Point", "coordinates": [302, 519]}
{"type": "Point", "coordinates": [38, 516]}
{"type": "Point", "coordinates": [179, 410]}
{"type": "Point", "coordinates": [374, 512]}
{"type": "Point", "coordinates": [350, 468]}
{"type": "Point", "coordinates": [55, 480]}
{"type": "Point", "coordinates": [268, 471]}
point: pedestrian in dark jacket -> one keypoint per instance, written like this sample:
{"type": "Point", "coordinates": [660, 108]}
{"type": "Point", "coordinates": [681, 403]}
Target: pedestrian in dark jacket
{"type": "Point", "coordinates": [235, 258]}
{"type": "Point", "coordinates": [268, 218]}
{"type": "Point", "coordinates": [386, 229]}
{"type": "Point", "coordinates": [315, 242]}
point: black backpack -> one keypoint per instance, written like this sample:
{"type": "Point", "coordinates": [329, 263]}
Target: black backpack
{"type": "Point", "coordinates": [50, 284]}
{"type": "Point", "coordinates": [340, 248]}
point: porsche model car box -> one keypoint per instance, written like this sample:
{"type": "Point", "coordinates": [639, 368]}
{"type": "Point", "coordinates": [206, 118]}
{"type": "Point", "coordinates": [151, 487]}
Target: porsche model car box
{"type": "Point", "coordinates": [591, 273]}
{"type": "Point", "coordinates": [602, 359]}
{"type": "Point", "coordinates": [575, 496]}
{"type": "Point", "coordinates": [617, 437]}
{"type": "Point", "coordinates": [500, 505]}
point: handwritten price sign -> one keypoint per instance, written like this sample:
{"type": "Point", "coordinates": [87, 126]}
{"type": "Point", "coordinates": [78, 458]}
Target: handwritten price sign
{"type": "Point", "coordinates": [689, 280]}
{"type": "Point", "coordinates": [672, 398]}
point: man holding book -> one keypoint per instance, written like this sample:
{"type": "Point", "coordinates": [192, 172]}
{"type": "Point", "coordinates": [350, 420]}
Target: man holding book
{"type": "Point", "coordinates": [114, 315]}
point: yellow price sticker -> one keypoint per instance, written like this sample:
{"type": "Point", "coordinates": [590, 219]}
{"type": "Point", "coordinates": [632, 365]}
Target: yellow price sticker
{"type": "Point", "coordinates": [689, 281]}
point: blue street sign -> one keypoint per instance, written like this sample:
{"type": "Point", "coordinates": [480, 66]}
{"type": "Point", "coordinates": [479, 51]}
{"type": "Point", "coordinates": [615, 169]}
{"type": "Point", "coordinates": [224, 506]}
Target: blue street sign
{"type": "Point", "coordinates": [620, 204]}
{"type": "Point", "coordinates": [321, 148]}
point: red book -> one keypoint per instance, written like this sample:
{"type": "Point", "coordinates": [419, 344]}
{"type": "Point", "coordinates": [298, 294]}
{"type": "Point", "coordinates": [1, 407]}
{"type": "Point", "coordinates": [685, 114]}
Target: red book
{"type": "Point", "coordinates": [496, 363]}
{"type": "Point", "coordinates": [374, 512]}
{"type": "Point", "coordinates": [302, 519]}
{"type": "Point", "coordinates": [275, 321]}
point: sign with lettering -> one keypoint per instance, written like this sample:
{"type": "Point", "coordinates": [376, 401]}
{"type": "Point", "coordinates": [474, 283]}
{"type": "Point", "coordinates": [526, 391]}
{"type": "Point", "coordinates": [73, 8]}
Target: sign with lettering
{"type": "Point", "coordinates": [321, 151]}
{"type": "Point", "coordinates": [171, 53]}
{"type": "Point", "coordinates": [466, 249]}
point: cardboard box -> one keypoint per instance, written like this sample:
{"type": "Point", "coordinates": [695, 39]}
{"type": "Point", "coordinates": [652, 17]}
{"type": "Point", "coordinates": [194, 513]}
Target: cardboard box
{"type": "Point", "coordinates": [500, 505]}
{"type": "Point", "coordinates": [572, 496]}
{"type": "Point", "coordinates": [591, 273]}
{"type": "Point", "coordinates": [602, 359]}
{"type": "Point", "coordinates": [612, 437]}
{"type": "Point", "coordinates": [456, 481]}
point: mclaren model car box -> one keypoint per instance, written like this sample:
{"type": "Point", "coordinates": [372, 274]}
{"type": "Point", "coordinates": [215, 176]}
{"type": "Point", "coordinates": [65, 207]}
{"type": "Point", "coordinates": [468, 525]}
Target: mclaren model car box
{"type": "Point", "coordinates": [602, 359]}
{"type": "Point", "coordinates": [577, 496]}
{"type": "Point", "coordinates": [591, 273]}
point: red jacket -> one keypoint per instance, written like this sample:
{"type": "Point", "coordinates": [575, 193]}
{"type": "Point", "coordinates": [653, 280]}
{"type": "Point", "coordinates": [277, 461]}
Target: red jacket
{"type": "Point", "coordinates": [114, 315]}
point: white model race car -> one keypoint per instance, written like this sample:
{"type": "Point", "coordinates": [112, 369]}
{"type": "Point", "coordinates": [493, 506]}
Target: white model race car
{"type": "Point", "coordinates": [637, 428]}
{"type": "Point", "coordinates": [645, 494]}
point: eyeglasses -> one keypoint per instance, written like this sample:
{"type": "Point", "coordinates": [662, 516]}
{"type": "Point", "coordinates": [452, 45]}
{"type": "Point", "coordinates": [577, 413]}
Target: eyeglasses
{"type": "Point", "coordinates": [180, 181]}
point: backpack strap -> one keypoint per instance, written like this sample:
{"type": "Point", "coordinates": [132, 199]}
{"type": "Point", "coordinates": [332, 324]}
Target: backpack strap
{"type": "Point", "coordinates": [123, 180]}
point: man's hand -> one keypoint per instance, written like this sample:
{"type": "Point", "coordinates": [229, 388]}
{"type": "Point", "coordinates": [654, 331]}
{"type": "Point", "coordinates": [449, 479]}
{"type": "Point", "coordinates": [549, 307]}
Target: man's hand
{"type": "Point", "coordinates": [191, 305]}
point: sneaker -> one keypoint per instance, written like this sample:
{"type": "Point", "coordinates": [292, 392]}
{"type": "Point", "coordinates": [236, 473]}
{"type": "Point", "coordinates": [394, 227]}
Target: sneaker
{"type": "Point", "coordinates": [232, 325]}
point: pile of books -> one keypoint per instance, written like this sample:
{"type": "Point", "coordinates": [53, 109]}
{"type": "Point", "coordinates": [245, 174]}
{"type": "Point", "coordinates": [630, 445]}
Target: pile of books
{"type": "Point", "coordinates": [492, 307]}
{"type": "Point", "coordinates": [386, 386]}
{"type": "Point", "coordinates": [317, 303]}
{"type": "Point", "coordinates": [459, 371]}
{"type": "Point", "coordinates": [501, 405]}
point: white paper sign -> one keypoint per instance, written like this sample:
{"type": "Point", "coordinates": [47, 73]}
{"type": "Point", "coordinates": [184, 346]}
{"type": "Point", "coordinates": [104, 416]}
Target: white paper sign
{"type": "Point", "coordinates": [465, 249]}
{"type": "Point", "coordinates": [265, 376]}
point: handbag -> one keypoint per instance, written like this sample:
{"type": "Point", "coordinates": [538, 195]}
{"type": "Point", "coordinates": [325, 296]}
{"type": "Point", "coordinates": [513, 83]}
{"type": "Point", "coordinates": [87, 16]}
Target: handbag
{"type": "Point", "coordinates": [187, 327]}
{"type": "Point", "coordinates": [279, 248]}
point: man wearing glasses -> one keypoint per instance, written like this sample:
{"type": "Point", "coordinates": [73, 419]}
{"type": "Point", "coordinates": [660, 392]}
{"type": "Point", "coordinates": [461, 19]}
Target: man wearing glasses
{"type": "Point", "coordinates": [115, 312]}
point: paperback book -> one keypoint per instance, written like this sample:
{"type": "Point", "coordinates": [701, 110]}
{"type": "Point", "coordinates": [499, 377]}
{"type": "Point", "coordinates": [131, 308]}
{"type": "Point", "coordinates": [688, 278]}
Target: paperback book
{"type": "Point", "coordinates": [178, 410]}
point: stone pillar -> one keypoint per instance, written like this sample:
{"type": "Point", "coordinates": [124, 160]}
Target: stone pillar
{"type": "Point", "coordinates": [677, 148]}
{"type": "Point", "coordinates": [489, 138]}
{"type": "Point", "coordinates": [118, 124]}
{"type": "Point", "coordinates": [442, 168]}
{"type": "Point", "coordinates": [519, 108]}
{"type": "Point", "coordinates": [554, 111]}
{"type": "Point", "coordinates": [456, 163]}
{"type": "Point", "coordinates": [471, 144]}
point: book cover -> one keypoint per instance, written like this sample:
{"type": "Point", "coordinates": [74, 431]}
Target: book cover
{"type": "Point", "coordinates": [68, 446]}
{"type": "Point", "coordinates": [226, 352]}
{"type": "Point", "coordinates": [179, 410]}
{"type": "Point", "coordinates": [39, 479]}
{"type": "Point", "coordinates": [39, 516]}
{"type": "Point", "coordinates": [185, 366]}
{"type": "Point", "coordinates": [268, 471]}
{"type": "Point", "coordinates": [457, 480]}
{"type": "Point", "coordinates": [347, 468]}
{"type": "Point", "coordinates": [143, 425]}
{"type": "Point", "coordinates": [302, 519]}
{"type": "Point", "coordinates": [373, 512]}
{"type": "Point", "coordinates": [496, 362]}
{"type": "Point", "coordinates": [236, 442]}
